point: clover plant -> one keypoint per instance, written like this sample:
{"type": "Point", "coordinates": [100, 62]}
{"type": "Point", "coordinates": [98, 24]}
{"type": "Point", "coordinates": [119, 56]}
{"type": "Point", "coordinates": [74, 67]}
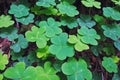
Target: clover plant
{"type": "Point", "coordinates": [59, 39]}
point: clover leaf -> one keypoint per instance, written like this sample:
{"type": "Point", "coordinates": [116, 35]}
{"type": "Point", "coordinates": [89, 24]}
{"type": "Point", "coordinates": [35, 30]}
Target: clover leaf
{"type": "Point", "coordinates": [46, 73]}
{"type": "Point", "coordinates": [51, 26]}
{"type": "Point", "coordinates": [69, 1]}
{"type": "Point", "coordinates": [60, 47]}
{"type": "Point", "coordinates": [76, 70]}
{"type": "Point", "coordinates": [37, 35]}
{"type": "Point", "coordinates": [86, 21]}
{"type": "Point", "coordinates": [45, 3]}
{"type": "Point", "coordinates": [69, 22]}
{"type": "Point", "coordinates": [5, 21]}
{"type": "Point", "coordinates": [112, 31]}
{"type": "Point", "coordinates": [88, 36]}
{"type": "Point", "coordinates": [1, 77]}
{"type": "Point", "coordinates": [43, 53]}
{"type": "Point", "coordinates": [19, 71]}
{"type": "Point", "coordinates": [3, 61]}
{"type": "Point", "coordinates": [109, 64]}
{"type": "Point", "coordinates": [111, 13]}
{"type": "Point", "coordinates": [10, 33]}
{"type": "Point", "coordinates": [117, 2]}
{"type": "Point", "coordinates": [22, 43]}
{"type": "Point", "coordinates": [26, 20]}
{"type": "Point", "coordinates": [79, 46]}
{"type": "Point", "coordinates": [66, 8]}
{"type": "Point", "coordinates": [46, 11]}
{"type": "Point", "coordinates": [91, 3]}
{"type": "Point", "coordinates": [19, 10]}
{"type": "Point", "coordinates": [117, 44]}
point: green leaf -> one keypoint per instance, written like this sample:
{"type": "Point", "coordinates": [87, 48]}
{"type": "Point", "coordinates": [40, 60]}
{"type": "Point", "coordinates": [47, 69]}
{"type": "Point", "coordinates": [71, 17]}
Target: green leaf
{"type": "Point", "coordinates": [19, 10]}
{"type": "Point", "coordinates": [96, 50]}
{"type": "Point", "coordinates": [69, 1]}
{"type": "Point", "coordinates": [88, 36]}
{"type": "Point", "coordinates": [46, 73]}
{"type": "Point", "coordinates": [112, 31]}
{"type": "Point", "coordinates": [43, 53]}
{"type": "Point", "coordinates": [1, 77]}
{"type": "Point", "coordinates": [26, 20]}
{"type": "Point", "coordinates": [60, 47]}
{"type": "Point", "coordinates": [5, 21]}
{"type": "Point", "coordinates": [66, 8]}
{"type": "Point", "coordinates": [51, 27]}
{"type": "Point", "coordinates": [99, 19]}
{"type": "Point", "coordinates": [79, 46]}
{"type": "Point", "coordinates": [37, 35]}
{"type": "Point", "coordinates": [117, 44]}
{"type": "Point", "coordinates": [46, 11]}
{"type": "Point", "coordinates": [22, 43]}
{"type": "Point", "coordinates": [109, 64]}
{"type": "Point", "coordinates": [76, 70]}
{"type": "Point", "coordinates": [91, 3]}
{"type": "Point", "coordinates": [86, 21]}
{"type": "Point", "coordinates": [117, 2]}
{"type": "Point", "coordinates": [116, 76]}
{"type": "Point", "coordinates": [10, 33]}
{"type": "Point", "coordinates": [45, 3]}
{"type": "Point", "coordinates": [69, 22]}
{"type": "Point", "coordinates": [3, 61]}
{"type": "Point", "coordinates": [20, 72]}
{"type": "Point", "coordinates": [111, 13]}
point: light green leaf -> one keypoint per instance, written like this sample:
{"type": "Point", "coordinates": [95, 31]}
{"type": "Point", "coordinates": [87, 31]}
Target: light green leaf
{"type": "Point", "coordinates": [60, 47]}
{"type": "Point", "coordinates": [117, 44]}
{"type": "Point", "coordinates": [3, 61]}
{"type": "Point", "coordinates": [76, 70]}
{"type": "Point", "coordinates": [37, 35]}
{"type": "Point", "coordinates": [51, 27]}
{"type": "Point", "coordinates": [5, 21]}
{"type": "Point", "coordinates": [91, 3]}
{"type": "Point", "coordinates": [1, 77]}
{"type": "Point", "coordinates": [45, 3]}
{"type": "Point", "coordinates": [109, 64]}
{"type": "Point", "coordinates": [66, 8]}
{"type": "Point", "coordinates": [46, 73]}
{"type": "Point", "coordinates": [19, 10]}
{"type": "Point", "coordinates": [79, 46]}
{"type": "Point", "coordinates": [88, 36]}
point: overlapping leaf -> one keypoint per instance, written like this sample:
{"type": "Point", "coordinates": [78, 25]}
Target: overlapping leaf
{"type": "Point", "coordinates": [45, 3]}
{"type": "Point", "coordinates": [112, 31]}
{"type": "Point", "coordinates": [88, 36]}
{"type": "Point", "coordinates": [66, 8]}
{"type": "Point", "coordinates": [86, 21]}
{"type": "Point", "coordinates": [79, 46]}
{"type": "Point", "coordinates": [60, 47]}
{"type": "Point", "coordinates": [19, 10]}
{"type": "Point", "coordinates": [76, 70]}
{"type": "Point", "coordinates": [3, 61]}
{"type": "Point", "coordinates": [91, 3]}
{"type": "Point", "coordinates": [111, 13]}
{"type": "Point", "coordinates": [69, 22]}
{"type": "Point", "coordinates": [46, 73]}
{"type": "Point", "coordinates": [37, 35]}
{"type": "Point", "coordinates": [51, 26]}
{"type": "Point", "coordinates": [10, 33]}
{"type": "Point", "coordinates": [109, 64]}
{"type": "Point", "coordinates": [5, 21]}
{"type": "Point", "coordinates": [22, 43]}
{"type": "Point", "coordinates": [26, 20]}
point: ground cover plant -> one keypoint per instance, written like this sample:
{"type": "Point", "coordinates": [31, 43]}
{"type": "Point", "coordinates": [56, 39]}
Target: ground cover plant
{"type": "Point", "coordinates": [59, 39]}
